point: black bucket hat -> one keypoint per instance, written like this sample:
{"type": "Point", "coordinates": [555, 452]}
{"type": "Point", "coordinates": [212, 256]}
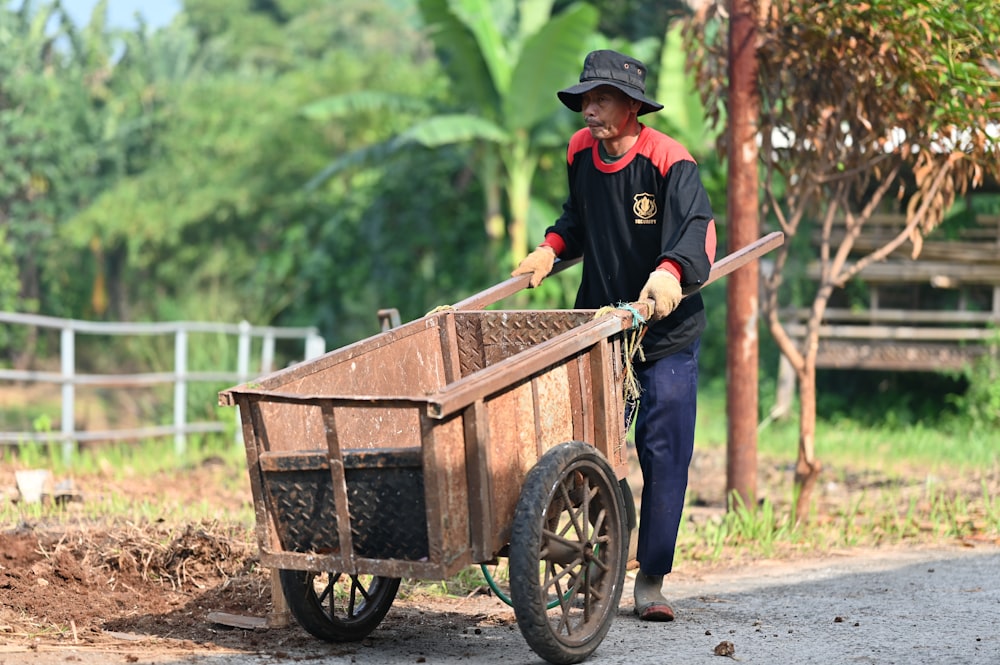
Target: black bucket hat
{"type": "Point", "coordinates": [610, 68]}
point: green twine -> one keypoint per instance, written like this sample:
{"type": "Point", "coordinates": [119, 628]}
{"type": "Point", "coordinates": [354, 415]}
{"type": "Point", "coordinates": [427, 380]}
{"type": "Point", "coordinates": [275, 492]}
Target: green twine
{"type": "Point", "coordinates": [637, 318]}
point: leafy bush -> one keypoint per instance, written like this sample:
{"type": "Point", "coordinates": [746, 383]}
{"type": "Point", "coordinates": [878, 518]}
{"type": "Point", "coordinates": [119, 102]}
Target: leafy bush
{"type": "Point", "coordinates": [980, 403]}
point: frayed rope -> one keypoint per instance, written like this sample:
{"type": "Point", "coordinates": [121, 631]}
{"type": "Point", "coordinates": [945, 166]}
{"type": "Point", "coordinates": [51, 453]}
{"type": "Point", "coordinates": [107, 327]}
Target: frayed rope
{"type": "Point", "coordinates": [631, 345]}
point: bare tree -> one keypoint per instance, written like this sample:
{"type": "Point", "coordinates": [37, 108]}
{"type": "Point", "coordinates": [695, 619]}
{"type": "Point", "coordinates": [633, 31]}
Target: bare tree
{"type": "Point", "coordinates": [862, 102]}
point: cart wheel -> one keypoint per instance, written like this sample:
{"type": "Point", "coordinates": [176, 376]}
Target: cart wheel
{"type": "Point", "coordinates": [568, 544]}
{"type": "Point", "coordinates": [336, 607]}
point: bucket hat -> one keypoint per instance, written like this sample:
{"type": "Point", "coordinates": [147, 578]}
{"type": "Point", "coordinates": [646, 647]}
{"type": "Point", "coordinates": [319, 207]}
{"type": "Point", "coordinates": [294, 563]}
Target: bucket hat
{"type": "Point", "coordinates": [612, 68]}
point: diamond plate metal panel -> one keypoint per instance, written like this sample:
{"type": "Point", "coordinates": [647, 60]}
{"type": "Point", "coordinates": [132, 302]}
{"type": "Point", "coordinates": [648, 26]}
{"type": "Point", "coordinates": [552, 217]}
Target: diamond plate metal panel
{"type": "Point", "coordinates": [470, 344]}
{"type": "Point", "coordinates": [388, 514]}
{"type": "Point", "coordinates": [386, 504]}
{"type": "Point", "coordinates": [486, 338]}
{"type": "Point", "coordinates": [304, 510]}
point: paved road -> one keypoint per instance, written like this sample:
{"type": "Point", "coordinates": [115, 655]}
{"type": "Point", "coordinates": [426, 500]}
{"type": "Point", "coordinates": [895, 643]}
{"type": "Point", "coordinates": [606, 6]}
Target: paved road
{"type": "Point", "coordinates": [939, 607]}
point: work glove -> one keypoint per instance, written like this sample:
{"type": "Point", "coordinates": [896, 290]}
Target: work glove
{"type": "Point", "coordinates": [538, 263]}
{"type": "Point", "coordinates": [664, 289]}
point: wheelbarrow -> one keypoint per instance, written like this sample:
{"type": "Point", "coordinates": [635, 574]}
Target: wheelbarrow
{"type": "Point", "coordinates": [460, 438]}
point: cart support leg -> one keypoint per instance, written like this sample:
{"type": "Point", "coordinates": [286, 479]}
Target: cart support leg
{"type": "Point", "coordinates": [278, 616]}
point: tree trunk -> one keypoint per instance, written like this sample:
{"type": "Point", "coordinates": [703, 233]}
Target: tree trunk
{"type": "Point", "coordinates": [807, 467]}
{"type": "Point", "coordinates": [517, 228]}
{"type": "Point", "coordinates": [24, 357]}
{"type": "Point", "coordinates": [493, 221]}
{"type": "Point", "coordinates": [117, 258]}
{"type": "Point", "coordinates": [743, 287]}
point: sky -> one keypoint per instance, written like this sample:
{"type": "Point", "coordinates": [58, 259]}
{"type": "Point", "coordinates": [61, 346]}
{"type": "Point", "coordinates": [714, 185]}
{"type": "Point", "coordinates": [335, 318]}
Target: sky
{"type": "Point", "coordinates": [121, 13]}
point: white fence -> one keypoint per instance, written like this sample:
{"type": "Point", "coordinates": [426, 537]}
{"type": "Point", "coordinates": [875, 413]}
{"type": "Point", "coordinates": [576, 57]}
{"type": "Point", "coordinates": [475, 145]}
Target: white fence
{"type": "Point", "coordinates": [180, 377]}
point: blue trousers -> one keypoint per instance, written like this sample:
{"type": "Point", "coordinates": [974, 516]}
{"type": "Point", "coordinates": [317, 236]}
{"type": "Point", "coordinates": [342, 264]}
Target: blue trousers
{"type": "Point", "coordinates": [664, 441]}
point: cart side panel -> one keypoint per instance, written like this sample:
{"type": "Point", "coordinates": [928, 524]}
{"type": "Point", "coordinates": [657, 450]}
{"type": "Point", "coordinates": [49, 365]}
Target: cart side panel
{"type": "Point", "coordinates": [522, 423]}
{"type": "Point", "coordinates": [410, 365]}
{"type": "Point", "coordinates": [578, 398]}
{"type": "Point", "coordinates": [607, 375]}
{"type": "Point", "coordinates": [513, 451]}
{"type": "Point", "coordinates": [384, 492]}
{"type": "Point", "coordinates": [287, 427]}
{"type": "Point", "coordinates": [447, 492]}
{"type": "Point", "coordinates": [558, 402]}
{"type": "Point", "coordinates": [321, 496]}
{"type": "Point", "coordinates": [373, 427]}
{"type": "Point", "coordinates": [253, 444]}
{"type": "Point", "coordinates": [408, 508]}
{"type": "Point", "coordinates": [351, 366]}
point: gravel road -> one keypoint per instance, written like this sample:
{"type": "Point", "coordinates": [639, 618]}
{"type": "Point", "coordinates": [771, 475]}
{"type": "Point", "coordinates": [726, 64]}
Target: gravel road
{"type": "Point", "coordinates": [905, 606]}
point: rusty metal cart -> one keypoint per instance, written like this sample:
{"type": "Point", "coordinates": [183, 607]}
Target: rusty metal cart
{"type": "Point", "coordinates": [456, 439]}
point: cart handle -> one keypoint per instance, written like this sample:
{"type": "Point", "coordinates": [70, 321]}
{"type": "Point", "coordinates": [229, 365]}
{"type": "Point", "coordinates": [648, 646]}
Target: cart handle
{"type": "Point", "coordinates": [724, 266]}
{"type": "Point", "coordinates": [509, 287]}
{"type": "Point", "coordinates": [720, 269]}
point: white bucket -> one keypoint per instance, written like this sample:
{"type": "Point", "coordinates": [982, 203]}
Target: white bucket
{"type": "Point", "coordinates": [33, 483]}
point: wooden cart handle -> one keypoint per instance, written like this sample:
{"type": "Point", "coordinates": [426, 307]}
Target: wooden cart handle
{"type": "Point", "coordinates": [740, 258]}
{"type": "Point", "coordinates": [720, 269]}
{"type": "Point", "coordinates": [724, 266]}
{"type": "Point", "coordinates": [508, 287]}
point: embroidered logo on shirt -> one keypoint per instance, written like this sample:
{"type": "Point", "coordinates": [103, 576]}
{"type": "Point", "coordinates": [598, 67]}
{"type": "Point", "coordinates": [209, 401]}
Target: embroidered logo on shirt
{"type": "Point", "coordinates": [644, 208]}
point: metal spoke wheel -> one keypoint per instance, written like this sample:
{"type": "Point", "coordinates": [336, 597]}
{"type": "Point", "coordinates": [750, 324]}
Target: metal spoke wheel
{"type": "Point", "coordinates": [337, 607]}
{"type": "Point", "coordinates": [568, 553]}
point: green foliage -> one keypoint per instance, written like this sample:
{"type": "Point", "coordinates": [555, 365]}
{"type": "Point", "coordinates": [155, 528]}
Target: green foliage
{"type": "Point", "coordinates": [636, 20]}
{"type": "Point", "coordinates": [47, 102]}
{"type": "Point", "coordinates": [10, 287]}
{"type": "Point", "coordinates": [504, 61]}
{"type": "Point", "coordinates": [980, 403]}
{"type": "Point", "coordinates": [901, 465]}
{"type": "Point", "coordinates": [896, 440]}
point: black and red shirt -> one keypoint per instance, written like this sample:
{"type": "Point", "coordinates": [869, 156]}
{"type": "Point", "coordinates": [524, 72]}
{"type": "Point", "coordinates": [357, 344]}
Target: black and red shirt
{"type": "Point", "coordinates": [646, 210]}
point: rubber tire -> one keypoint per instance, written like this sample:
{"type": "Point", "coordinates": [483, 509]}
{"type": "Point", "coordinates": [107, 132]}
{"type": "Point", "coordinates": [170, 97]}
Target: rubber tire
{"type": "Point", "coordinates": [315, 614]}
{"type": "Point", "coordinates": [540, 503]}
{"type": "Point", "coordinates": [631, 517]}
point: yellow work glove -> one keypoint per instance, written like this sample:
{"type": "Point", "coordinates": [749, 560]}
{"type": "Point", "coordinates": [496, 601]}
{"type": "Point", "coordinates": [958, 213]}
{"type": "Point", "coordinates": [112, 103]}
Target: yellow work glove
{"type": "Point", "coordinates": [538, 263]}
{"type": "Point", "coordinates": [664, 290]}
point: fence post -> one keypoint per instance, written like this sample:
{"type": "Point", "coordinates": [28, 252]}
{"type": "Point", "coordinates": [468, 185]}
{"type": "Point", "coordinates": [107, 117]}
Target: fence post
{"type": "Point", "coordinates": [180, 391]}
{"type": "Point", "coordinates": [67, 361]}
{"type": "Point", "coordinates": [315, 345]}
{"type": "Point", "coordinates": [243, 370]}
{"type": "Point", "coordinates": [243, 352]}
{"type": "Point", "coordinates": [267, 352]}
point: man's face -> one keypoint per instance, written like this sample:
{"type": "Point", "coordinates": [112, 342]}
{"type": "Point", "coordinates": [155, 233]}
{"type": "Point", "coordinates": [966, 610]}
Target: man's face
{"type": "Point", "coordinates": [606, 111]}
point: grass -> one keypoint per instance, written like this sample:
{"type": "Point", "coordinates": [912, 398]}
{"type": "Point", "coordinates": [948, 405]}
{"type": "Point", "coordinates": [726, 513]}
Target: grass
{"type": "Point", "coordinates": [142, 458]}
{"type": "Point", "coordinates": [105, 469]}
{"type": "Point", "coordinates": [887, 483]}
{"type": "Point", "coordinates": [882, 445]}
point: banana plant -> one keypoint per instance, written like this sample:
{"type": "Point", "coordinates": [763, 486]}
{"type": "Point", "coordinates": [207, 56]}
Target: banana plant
{"type": "Point", "coordinates": [505, 60]}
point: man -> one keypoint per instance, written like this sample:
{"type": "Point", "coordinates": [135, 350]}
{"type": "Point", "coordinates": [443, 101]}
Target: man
{"type": "Point", "coordinates": [638, 214]}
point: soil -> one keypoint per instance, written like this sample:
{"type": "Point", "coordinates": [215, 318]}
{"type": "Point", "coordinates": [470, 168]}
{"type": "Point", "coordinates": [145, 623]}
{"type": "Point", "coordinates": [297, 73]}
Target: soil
{"type": "Point", "coordinates": [84, 589]}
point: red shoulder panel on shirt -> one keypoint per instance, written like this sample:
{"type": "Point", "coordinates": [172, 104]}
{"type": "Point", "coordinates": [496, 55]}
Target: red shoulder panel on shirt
{"type": "Point", "coordinates": [581, 140]}
{"type": "Point", "coordinates": [661, 149]}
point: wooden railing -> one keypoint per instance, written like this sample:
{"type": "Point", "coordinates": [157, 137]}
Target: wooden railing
{"type": "Point", "coordinates": [69, 378]}
{"type": "Point", "coordinates": [899, 340]}
{"type": "Point", "coordinates": [904, 325]}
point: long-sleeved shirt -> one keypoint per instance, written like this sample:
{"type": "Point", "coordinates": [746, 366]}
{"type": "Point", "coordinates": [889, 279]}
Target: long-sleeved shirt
{"type": "Point", "coordinates": [646, 210]}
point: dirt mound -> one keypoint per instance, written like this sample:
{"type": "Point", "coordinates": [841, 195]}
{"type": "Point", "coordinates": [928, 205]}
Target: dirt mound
{"type": "Point", "coordinates": [139, 579]}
